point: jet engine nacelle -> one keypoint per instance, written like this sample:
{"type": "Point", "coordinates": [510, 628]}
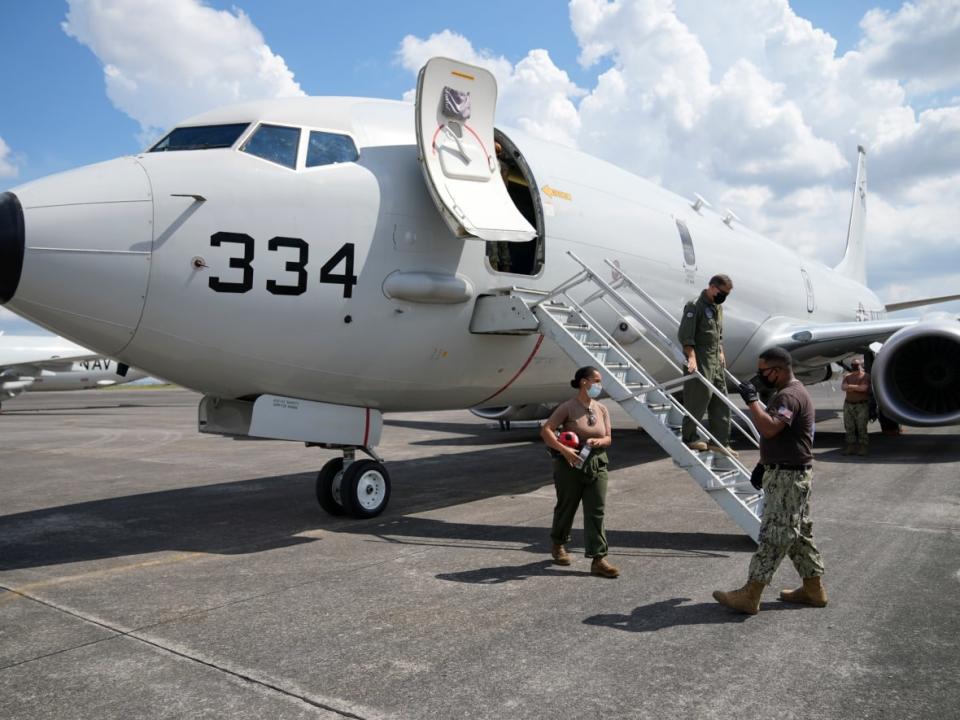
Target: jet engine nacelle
{"type": "Point", "coordinates": [511, 413]}
{"type": "Point", "coordinates": [916, 375]}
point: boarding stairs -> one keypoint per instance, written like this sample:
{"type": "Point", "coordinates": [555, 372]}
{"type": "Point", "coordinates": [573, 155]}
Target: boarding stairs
{"type": "Point", "coordinates": [650, 402]}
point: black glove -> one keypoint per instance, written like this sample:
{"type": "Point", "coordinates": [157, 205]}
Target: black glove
{"type": "Point", "coordinates": [748, 392]}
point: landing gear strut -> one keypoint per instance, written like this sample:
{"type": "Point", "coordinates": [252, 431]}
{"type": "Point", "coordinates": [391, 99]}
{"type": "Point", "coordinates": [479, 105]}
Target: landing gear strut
{"type": "Point", "coordinates": [359, 488]}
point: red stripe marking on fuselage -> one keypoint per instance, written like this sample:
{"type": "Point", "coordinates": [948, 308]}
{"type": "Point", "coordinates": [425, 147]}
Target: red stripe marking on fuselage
{"type": "Point", "coordinates": [522, 368]}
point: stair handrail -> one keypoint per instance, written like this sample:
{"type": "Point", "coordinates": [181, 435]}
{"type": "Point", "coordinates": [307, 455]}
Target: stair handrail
{"type": "Point", "coordinates": [663, 311]}
{"type": "Point", "coordinates": [644, 294]}
{"type": "Point", "coordinates": [563, 287]}
{"type": "Point", "coordinates": [672, 362]}
{"type": "Point", "coordinates": [632, 362]}
{"type": "Point", "coordinates": [627, 305]}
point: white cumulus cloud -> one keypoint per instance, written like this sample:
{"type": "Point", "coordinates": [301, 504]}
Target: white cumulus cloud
{"type": "Point", "coordinates": [8, 165]}
{"type": "Point", "coordinates": [164, 60]}
{"type": "Point", "coordinates": [919, 42]}
{"type": "Point", "coordinates": [750, 105]}
{"type": "Point", "coordinates": [534, 95]}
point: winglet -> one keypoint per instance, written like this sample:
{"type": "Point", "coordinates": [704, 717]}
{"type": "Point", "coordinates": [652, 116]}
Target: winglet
{"type": "Point", "coordinates": [854, 262]}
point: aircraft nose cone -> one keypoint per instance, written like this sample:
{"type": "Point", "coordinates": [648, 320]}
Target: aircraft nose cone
{"type": "Point", "coordinates": [11, 245]}
{"type": "Point", "coordinates": [75, 248]}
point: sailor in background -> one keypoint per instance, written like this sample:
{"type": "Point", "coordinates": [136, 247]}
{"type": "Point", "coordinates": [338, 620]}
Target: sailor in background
{"type": "Point", "coordinates": [856, 408]}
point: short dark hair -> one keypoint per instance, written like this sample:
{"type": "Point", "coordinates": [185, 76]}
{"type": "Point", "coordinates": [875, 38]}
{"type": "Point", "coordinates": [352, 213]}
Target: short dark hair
{"type": "Point", "coordinates": [721, 281]}
{"type": "Point", "coordinates": [581, 374]}
{"type": "Point", "coordinates": [777, 356]}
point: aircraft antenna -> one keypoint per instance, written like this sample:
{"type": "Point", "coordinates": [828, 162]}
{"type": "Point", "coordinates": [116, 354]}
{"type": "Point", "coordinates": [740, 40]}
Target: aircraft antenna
{"type": "Point", "coordinates": [699, 202]}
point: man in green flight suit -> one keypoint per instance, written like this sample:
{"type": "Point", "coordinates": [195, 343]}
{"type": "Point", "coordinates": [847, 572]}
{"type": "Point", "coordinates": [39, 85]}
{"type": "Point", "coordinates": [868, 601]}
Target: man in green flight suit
{"type": "Point", "coordinates": [701, 334]}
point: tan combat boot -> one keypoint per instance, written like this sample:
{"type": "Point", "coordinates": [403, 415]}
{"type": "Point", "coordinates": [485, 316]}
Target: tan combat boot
{"type": "Point", "coordinates": [746, 599]}
{"type": "Point", "coordinates": [723, 450]}
{"type": "Point", "coordinates": [812, 593]}
{"type": "Point", "coordinates": [560, 555]}
{"type": "Point", "coordinates": [861, 449]}
{"type": "Point", "coordinates": [601, 568]}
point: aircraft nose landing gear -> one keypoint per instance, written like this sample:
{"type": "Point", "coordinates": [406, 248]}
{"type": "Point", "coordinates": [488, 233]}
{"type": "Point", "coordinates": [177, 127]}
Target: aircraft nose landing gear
{"type": "Point", "coordinates": [359, 488]}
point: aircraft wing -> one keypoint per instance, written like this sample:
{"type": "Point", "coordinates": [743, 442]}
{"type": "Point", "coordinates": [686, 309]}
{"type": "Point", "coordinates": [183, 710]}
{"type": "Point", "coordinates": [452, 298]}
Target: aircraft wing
{"type": "Point", "coordinates": [57, 356]}
{"type": "Point", "coordinates": [808, 343]}
{"type": "Point", "coordinates": [891, 307]}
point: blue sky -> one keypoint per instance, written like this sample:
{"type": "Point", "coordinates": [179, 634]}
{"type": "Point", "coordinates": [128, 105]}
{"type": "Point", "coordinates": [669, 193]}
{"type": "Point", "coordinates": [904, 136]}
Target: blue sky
{"type": "Point", "coordinates": [56, 113]}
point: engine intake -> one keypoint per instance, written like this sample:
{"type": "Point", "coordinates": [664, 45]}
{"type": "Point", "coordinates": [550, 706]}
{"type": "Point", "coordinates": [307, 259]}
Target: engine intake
{"type": "Point", "coordinates": [916, 376]}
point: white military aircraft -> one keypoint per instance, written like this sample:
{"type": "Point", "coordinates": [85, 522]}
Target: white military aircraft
{"type": "Point", "coordinates": [308, 264]}
{"type": "Point", "coordinates": [36, 363]}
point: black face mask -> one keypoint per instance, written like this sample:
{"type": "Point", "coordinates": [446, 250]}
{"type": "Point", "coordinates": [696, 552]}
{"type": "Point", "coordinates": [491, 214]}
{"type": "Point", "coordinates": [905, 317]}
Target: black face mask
{"type": "Point", "coordinates": [720, 297]}
{"type": "Point", "coordinates": [760, 381]}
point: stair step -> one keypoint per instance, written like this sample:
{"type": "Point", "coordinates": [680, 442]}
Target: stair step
{"type": "Point", "coordinates": [618, 370]}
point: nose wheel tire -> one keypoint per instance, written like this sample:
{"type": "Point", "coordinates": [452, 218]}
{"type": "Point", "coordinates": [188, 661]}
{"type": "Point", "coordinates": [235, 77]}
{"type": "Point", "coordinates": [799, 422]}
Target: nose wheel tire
{"type": "Point", "coordinates": [329, 482]}
{"type": "Point", "coordinates": [364, 489]}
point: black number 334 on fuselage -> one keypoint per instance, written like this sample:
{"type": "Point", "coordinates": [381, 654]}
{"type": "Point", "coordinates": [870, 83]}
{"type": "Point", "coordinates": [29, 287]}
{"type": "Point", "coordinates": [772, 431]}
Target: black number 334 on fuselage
{"type": "Point", "coordinates": [299, 267]}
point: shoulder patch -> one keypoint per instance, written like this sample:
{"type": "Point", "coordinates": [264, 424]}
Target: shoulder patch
{"type": "Point", "coordinates": [690, 314]}
{"type": "Point", "coordinates": [785, 413]}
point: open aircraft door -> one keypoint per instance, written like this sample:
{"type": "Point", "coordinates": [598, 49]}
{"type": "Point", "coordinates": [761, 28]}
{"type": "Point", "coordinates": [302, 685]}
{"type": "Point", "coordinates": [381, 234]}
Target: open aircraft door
{"type": "Point", "coordinates": [455, 108]}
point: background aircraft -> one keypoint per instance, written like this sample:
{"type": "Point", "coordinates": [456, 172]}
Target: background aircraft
{"type": "Point", "coordinates": [309, 263]}
{"type": "Point", "coordinates": [37, 363]}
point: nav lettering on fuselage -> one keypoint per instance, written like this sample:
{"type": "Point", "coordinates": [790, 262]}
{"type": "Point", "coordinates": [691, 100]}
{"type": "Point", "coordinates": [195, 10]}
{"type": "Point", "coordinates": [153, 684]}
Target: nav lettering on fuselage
{"type": "Point", "coordinates": [98, 364]}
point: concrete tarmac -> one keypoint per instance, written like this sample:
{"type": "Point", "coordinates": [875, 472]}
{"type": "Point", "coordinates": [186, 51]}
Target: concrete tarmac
{"type": "Point", "coordinates": [148, 571]}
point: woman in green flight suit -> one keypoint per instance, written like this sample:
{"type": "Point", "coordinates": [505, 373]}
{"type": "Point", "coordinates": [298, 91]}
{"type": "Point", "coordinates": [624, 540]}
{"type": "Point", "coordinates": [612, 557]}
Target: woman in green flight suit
{"type": "Point", "coordinates": [577, 480]}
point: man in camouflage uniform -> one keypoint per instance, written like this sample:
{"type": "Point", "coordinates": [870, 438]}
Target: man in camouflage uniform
{"type": "Point", "coordinates": [786, 442]}
{"type": "Point", "coordinates": [856, 408]}
{"type": "Point", "coordinates": [701, 334]}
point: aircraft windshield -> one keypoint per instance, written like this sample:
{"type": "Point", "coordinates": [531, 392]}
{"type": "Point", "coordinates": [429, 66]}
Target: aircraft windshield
{"type": "Point", "coordinates": [203, 137]}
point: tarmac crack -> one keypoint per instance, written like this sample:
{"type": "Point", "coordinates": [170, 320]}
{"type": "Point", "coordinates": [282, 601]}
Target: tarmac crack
{"type": "Point", "coordinates": [133, 635]}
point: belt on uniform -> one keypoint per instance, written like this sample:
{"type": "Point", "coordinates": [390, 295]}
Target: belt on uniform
{"type": "Point", "coordinates": [786, 466]}
{"type": "Point", "coordinates": [854, 402]}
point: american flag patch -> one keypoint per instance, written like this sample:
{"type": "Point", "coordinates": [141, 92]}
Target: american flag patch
{"type": "Point", "coordinates": [785, 413]}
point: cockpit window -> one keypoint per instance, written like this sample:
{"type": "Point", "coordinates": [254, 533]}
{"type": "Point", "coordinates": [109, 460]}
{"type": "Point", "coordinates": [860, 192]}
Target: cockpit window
{"type": "Point", "coordinates": [275, 143]}
{"type": "Point", "coordinates": [329, 148]}
{"type": "Point", "coordinates": [203, 137]}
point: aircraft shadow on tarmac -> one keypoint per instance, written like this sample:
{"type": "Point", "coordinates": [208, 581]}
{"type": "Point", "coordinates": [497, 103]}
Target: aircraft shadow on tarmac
{"type": "Point", "coordinates": [672, 613]}
{"type": "Point", "coordinates": [914, 447]}
{"type": "Point", "coordinates": [533, 539]}
{"type": "Point", "coordinates": [260, 514]}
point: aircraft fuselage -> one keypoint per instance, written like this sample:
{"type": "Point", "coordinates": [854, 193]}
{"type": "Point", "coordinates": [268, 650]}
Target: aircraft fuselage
{"type": "Point", "coordinates": [236, 276]}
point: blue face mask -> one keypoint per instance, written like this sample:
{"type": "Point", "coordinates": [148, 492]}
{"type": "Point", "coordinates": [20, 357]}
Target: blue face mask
{"type": "Point", "coordinates": [595, 390]}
